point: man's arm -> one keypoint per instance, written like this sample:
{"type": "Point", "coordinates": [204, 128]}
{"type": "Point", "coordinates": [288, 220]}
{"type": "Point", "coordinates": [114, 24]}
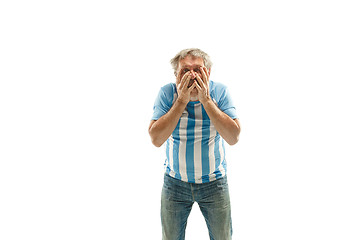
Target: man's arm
{"type": "Point", "coordinates": [228, 128]}
{"type": "Point", "coordinates": [161, 129]}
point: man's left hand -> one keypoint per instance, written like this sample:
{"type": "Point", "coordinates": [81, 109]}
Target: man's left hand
{"type": "Point", "coordinates": [202, 85]}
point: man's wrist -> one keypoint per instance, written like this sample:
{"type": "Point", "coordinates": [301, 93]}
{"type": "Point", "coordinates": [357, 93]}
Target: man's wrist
{"type": "Point", "coordinates": [207, 101]}
{"type": "Point", "coordinates": [181, 102]}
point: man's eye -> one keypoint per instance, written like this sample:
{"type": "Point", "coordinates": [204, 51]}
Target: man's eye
{"type": "Point", "coordinates": [197, 70]}
{"type": "Point", "coordinates": [185, 70]}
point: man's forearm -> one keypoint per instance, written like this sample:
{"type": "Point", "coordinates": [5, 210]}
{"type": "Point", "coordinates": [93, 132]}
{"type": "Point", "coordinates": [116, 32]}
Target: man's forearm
{"type": "Point", "coordinates": [228, 128]}
{"type": "Point", "coordinates": [161, 129]}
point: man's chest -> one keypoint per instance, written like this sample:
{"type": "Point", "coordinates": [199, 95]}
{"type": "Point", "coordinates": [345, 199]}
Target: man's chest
{"type": "Point", "coordinates": [194, 123]}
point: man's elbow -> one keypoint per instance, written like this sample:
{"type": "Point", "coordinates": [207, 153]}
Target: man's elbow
{"type": "Point", "coordinates": [154, 139]}
{"type": "Point", "coordinates": [156, 143]}
{"type": "Point", "coordinates": [234, 140]}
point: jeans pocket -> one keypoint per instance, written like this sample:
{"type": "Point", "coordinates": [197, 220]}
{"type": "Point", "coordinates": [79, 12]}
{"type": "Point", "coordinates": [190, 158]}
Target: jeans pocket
{"type": "Point", "coordinates": [222, 183]}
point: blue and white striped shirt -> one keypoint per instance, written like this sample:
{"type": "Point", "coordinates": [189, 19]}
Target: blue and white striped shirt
{"type": "Point", "coordinates": [195, 151]}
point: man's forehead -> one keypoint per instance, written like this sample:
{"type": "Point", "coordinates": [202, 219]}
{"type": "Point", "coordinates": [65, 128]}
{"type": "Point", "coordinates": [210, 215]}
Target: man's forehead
{"type": "Point", "coordinates": [191, 65]}
{"type": "Point", "coordinates": [190, 61]}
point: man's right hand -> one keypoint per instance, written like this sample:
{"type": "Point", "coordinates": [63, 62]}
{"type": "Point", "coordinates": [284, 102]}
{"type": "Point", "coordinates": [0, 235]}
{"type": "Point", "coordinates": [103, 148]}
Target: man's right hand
{"type": "Point", "coordinates": [183, 88]}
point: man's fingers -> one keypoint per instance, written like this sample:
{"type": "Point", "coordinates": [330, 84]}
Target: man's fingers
{"type": "Point", "coordinates": [187, 81]}
{"type": "Point", "coordinates": [200, 81]}
{"type": "Point", "coordinates": [184, 80]}
{"type": "Point", "coordinates": [204, 74]}
{"type": "Point", "coordinates": [198, 87]}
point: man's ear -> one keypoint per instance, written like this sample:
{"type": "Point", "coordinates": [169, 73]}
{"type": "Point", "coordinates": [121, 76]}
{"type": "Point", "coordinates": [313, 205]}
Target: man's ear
{"type": "Point", "coordinates": [209, 71]}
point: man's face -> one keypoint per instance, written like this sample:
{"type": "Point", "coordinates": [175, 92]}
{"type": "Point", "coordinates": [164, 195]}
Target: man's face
{"type": "Point", "coordinates": [192, 64]}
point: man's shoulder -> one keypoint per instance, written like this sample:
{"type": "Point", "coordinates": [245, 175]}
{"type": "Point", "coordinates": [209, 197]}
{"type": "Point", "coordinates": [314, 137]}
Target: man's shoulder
{"type": "Point", "coordinates": [217, 85]}
{"type": "Point", "coordinates": [169, 88]}
{"type": "Point", "coordinates": [168, 93]}
{"type": "Point", "coordinates": [217, 88]}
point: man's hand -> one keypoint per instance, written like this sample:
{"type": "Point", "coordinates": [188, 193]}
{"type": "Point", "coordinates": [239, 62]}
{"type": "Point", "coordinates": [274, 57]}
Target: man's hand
{"type": "Point", "coordinates": [184, 89]}
{"type": "Point", "coordinates": [202, 85]}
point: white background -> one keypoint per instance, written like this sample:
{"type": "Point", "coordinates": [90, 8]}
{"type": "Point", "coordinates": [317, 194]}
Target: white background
{"type": "Point", "coordinates": [78, 82]}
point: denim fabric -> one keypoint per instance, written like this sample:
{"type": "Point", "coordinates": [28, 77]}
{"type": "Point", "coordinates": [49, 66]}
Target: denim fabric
{"type": "Point", "coordinates": [177, 199]}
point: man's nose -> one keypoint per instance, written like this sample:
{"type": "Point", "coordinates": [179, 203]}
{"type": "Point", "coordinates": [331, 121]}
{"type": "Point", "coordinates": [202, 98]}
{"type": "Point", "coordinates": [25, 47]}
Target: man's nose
{"type": "Point", "coordinates": [193, 74]}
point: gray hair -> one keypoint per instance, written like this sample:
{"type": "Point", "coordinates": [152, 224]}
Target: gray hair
{"type": "Point", "coordinates": [192, 52]}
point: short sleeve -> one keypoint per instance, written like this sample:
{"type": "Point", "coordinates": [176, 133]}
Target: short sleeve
{"type": "Point", "coordinates": [225, 103]}
{"type": "Point", "coordinates": [163, 102]}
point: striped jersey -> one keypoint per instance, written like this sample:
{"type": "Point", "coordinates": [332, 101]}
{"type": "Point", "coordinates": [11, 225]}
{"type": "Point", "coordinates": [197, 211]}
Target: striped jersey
{"type": "Point", "coordinates": [195, 151]}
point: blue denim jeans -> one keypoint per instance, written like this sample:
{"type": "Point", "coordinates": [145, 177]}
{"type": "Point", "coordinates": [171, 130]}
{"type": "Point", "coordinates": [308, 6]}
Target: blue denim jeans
{"type": "Point", "coordinates": [177, 199]}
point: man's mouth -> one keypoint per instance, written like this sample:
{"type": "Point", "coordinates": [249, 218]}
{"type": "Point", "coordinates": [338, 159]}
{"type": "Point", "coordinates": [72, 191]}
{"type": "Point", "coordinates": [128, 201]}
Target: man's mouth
{"type": "Point", "coordinates": [191, 82]}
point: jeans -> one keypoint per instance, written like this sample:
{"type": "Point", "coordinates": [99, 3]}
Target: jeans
{"type": "Point", "coordinates": [177, 199]}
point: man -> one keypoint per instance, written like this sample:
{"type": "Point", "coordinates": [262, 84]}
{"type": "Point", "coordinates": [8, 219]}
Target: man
{"type": "Point", "coordinates": [194, 115]}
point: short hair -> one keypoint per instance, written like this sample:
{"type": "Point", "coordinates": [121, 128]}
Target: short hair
{"type": "Point", "coordinates": [192, 52]}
